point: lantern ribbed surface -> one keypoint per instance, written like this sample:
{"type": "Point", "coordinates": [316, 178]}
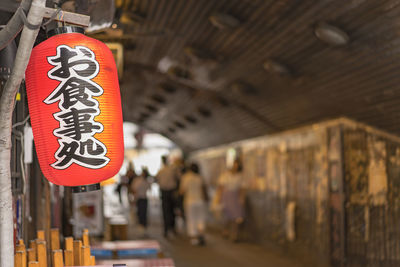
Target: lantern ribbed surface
{"type": "Point", "coordinates": [75, 108]}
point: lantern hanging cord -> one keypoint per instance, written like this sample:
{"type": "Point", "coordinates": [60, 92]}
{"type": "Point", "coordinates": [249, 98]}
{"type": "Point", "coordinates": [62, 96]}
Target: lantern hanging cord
{"type": "Point", "coordinates": [54, 16]}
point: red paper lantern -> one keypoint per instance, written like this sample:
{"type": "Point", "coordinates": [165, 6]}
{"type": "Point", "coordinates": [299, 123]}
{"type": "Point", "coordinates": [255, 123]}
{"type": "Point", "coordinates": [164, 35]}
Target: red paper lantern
{"type": "Point", "coordinates": [75, 107]}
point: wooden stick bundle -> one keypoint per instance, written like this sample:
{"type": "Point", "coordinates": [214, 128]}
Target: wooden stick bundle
{"type": "Point", "coordinates": [75, 253]}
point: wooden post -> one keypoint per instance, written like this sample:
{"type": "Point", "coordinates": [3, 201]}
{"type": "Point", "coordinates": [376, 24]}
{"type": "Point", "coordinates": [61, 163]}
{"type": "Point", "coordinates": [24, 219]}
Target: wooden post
{"type": "Point", "coordinates": [55, 239]}
{"type": "Point", "coordinates": [69, 243]}
{"type": "Point", "coordinates": [77, 252]}
{"type": "Point", "coordinates": [33, 264]}
{"type": "Point", "coordinates": [337, 210]}
{"type": "Point", "coordinates": [85, 237]}
{"type": "Point", "coordinates": [20, 259]}
{"type": "Point", "coordinates": [20, 252]}
{"type": "Point", "coordinates": [85, 256]}
{"type": "Point", "coordinates": [24, 259]}
{"type": "Point", "coordinates": [32, 244]}
{"type": "Point", "coordinates": [40, 235]}
{"type": "Point", "coordinates": [92, 260]}
{"type": "Point", "coordinates": [33, 247]}
{"type": "Point", "coordinates": [20, 247]}
{"type": "Point", "coordinates": [58, 258]}
{"type": "Point", "coordinates": [69, 257]}
{"type": "Point", "coordinates": [41, 253]}
{"type": "Point", "coordinates": [31, 254]}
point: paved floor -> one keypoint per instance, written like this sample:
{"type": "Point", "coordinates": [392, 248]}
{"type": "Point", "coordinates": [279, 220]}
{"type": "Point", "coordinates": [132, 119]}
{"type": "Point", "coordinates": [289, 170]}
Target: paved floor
{"type": "Point", "coordinates": [220, 252]}
{"type": "Point", "coordinates": [217, 252]}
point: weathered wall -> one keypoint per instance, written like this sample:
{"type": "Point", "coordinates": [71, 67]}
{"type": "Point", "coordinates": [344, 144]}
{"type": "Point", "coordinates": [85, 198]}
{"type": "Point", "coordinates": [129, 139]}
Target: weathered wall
{"type": "Point", "coordinates": [344, 179]}
{"type": "Point", "coordinates": [280, 169]}
{"type": "Point", "coordinates": [372, 166]}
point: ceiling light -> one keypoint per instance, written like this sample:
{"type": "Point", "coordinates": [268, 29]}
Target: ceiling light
{"type": "Point", "coordinates": [144, 115]}
{"type": "Point", "coordinates": [204, 112]}
{"type": "Point", "coordinates": [190, 119]}
{"type": "Point", "coordinates": [179, 72]}
{"type": "Point", "coordinates": [241, 87]}
{"type": "Point", "coordinates": [198, 54]}
{"type": "Point", "coordinates": [222, 101]}
{"type": "Point", "coordinates": [168, 88]}
{"type": "Point", "coordinates": [151, 108]}
{"type": "Point", "coordinates": [132, 18]}
{"type": "Point", "coordinates": [273, 66]}
{"type": "Point", "coordinates": [224, 21]}
{"type": "Point", "coordinates": [158, 98]}
{"type": "Point", "coordinates": [179, 125]}
{"type": "Point", "coordinates": [331, 34]}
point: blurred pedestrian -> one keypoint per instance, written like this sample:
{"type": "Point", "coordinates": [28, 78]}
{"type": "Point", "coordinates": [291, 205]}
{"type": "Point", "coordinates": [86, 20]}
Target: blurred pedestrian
{"type": "Point", "coordinates": [123, 187]}
{"type": "Point", "coordinates": [167, 179]}
{"type": "Point", "coordinates": [140, 186]}
{"type": "Point", "coordinates": [232, 194]}
{"type": "Point", "coordinates": [130, 173]}
{"type": "Point", "coordinates": [181, 168]}
{"type": "Point", "coordinates": [193, 189]}
{"type": "Point", "coordinates": [129, 177]}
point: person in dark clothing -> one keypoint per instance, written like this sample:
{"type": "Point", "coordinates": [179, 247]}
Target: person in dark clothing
{"type": "Point", "coordinates": [181, 169]}
{"type": "Point", "coordinates": [167, 179]}
{"type": "Point", "coordinates": [123, 184]}
{"type": "Point", "coordinates": [126, 181]}
{"type": "Point", "coordinates": [130, 173]}
{"type": "Point", "coordinates": [140, 186]}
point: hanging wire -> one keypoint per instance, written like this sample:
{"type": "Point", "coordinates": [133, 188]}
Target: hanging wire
{"type": "Point", "coordinates": [20, 137]}
{"type": "Point", "coordinates": [21, 123]}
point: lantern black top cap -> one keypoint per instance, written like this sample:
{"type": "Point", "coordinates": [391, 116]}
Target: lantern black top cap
{"type": "Point", "coordinates": [65, 29]}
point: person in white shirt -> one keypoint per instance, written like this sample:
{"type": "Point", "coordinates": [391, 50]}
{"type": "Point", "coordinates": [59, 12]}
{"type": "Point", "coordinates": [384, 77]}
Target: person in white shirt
{"type": "Point", "coordinates": [140, 186]}
{"type": "Point", "coordinates": [232, 194]}
{"type": "Point", "coordinates": [167, 179]}
{"type": "Point", "coordinates": [192, 187]}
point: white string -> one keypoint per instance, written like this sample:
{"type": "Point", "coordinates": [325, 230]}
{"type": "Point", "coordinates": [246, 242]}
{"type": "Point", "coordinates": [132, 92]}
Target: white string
{"type": "Point", "coordinates": [21, 123]}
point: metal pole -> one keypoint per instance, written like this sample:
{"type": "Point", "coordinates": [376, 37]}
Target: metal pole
{"type": "Point", "coordinates": [7, 100]}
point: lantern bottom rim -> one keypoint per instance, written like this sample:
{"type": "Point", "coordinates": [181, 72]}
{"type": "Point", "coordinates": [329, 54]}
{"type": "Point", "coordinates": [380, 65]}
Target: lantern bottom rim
{"type": "Point", "coordinates": [85, 188]}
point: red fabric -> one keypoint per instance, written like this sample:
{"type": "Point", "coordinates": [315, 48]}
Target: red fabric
{"type": "Point", "coordinates": [45, 125]}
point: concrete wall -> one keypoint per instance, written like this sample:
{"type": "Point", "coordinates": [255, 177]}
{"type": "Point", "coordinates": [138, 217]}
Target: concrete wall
{"type": "Point", "coordinates": [340, 176]}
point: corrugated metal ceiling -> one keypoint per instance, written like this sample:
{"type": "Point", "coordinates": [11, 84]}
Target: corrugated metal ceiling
{"type": "Point", "coordinates": [358, 80]}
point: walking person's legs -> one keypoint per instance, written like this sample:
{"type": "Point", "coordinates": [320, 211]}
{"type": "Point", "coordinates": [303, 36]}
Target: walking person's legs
{"type": "Point", "coordinates": [142, 211]}
{"type": "Point", "coordinates": [191, 224]}
{"type": "Point", "coordinates": [145, 205]}
{"type": "Point", "coordinates": [138, 212]}
{"type": "Point", "coordinates": [168, 212]}
{"type": "Point", "coordinates": [172, 212]}
{"type": "Point", "coordinates": [165, 211]}
{"type": "Point", "coordinates": [201, 222]}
